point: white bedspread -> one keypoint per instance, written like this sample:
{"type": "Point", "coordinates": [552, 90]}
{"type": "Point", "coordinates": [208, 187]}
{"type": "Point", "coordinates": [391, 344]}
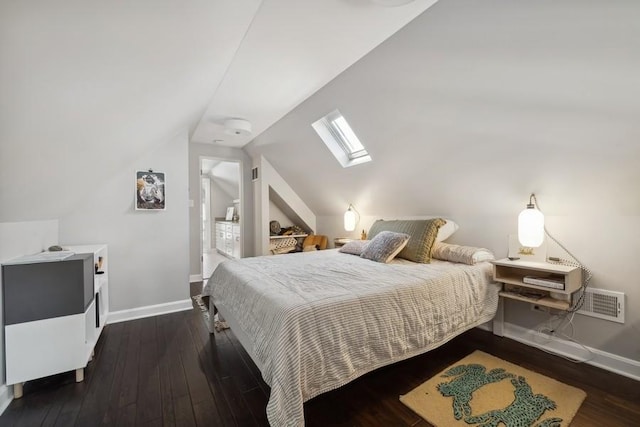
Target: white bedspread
{"type": "Point", "coordinates": [318, 320]}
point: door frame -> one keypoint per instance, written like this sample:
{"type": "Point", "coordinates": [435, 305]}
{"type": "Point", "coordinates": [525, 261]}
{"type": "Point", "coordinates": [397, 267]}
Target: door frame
{"type": "Point", "coordinates": [241, 198]}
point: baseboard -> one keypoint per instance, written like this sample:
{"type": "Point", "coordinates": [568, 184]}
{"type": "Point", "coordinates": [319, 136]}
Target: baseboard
{"type": "Point", "coordinates": [608, 361]}
{"type": "Point", "coordinates": [6, 396]}
{"type": "Point", "coordinates": [148, 311]}
{"type": "Point", "coordinates": [195, 278]}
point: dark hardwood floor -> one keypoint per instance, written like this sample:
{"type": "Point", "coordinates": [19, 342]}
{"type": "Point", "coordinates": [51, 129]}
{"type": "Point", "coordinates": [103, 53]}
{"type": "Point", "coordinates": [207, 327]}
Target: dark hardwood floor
{"type": "Point", "coordinates": [168, 371]}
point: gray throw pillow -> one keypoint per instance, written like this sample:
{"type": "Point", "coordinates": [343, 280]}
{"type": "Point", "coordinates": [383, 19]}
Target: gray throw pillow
{"type": "Point", "coordinates": [385, 246]}
{"type": "Point", "coordinates": [354, 247]}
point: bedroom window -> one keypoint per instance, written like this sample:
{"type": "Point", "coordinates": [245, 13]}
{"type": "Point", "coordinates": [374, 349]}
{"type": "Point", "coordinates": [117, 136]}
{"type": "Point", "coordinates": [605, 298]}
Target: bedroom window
{"type": "Point", "coordinates": [341, 140]}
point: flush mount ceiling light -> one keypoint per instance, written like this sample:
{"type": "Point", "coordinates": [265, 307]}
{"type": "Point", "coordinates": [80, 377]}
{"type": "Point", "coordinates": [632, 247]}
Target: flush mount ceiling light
{"type": "Point", "coordinates": [237, 127]}
{"type": "Point", "coordinates": [391, 3]}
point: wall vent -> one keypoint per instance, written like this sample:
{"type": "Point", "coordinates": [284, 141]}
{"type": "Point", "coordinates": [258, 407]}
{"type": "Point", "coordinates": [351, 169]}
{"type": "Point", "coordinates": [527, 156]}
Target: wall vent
{"type": "Point", "coordinates": [603, 304]}
{"type": "Point", "coordinates": [254, 174]}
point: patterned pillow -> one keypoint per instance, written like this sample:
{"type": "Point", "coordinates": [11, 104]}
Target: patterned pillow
{"type": "Point", "coordinates": [354, 247]}
{"type": "Point", "coordinates": [423, 233]}
{"type": "Point", "coordinates": [385, 246]}
{"type": "Point", "coordinates": [462, 254]}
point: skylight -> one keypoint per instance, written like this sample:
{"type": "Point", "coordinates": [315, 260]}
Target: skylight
{"type": "Point", "coordinates": [341, 140]}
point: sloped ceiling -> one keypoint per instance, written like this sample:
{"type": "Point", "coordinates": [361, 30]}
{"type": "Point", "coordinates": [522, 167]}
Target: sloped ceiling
{"type": "Point", "coordinates": [472, 106]}
{"type": "Point", "coordinates": [88, 86]}
{"type": "Point", "coordinates": [292, 49]}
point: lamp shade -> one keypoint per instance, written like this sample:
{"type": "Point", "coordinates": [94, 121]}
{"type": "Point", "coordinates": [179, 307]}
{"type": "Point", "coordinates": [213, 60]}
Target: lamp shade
{"type": "Point", "coordinates": [531, 227]}
{"type": "Point", "coordinates": [349, 219]}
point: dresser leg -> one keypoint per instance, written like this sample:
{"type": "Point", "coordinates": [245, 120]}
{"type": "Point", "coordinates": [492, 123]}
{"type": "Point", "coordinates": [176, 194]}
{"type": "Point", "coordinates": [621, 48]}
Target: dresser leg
{"type": "Point", "coordinates": [79, 375]}
{"type": "Point", "coordinates": [17, 390]}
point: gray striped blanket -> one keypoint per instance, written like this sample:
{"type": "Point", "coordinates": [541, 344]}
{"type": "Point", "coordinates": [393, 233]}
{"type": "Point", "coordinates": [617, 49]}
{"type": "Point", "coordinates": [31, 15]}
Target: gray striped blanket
{"type": "Point", "coordinates": [315, 321]}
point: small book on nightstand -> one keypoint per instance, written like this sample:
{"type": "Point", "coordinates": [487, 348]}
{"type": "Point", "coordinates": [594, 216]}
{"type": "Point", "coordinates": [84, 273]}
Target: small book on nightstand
{"type": "Point", "coordinates": [548, 282]}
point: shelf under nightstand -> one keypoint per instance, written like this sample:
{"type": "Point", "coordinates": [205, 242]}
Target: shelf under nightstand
{"type": "Point", "coordinates": [512, 275]}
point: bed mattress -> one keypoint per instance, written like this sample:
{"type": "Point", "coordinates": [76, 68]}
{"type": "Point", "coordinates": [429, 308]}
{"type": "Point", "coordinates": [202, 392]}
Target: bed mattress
{"type": "Point", "coordinates": [315, 321]}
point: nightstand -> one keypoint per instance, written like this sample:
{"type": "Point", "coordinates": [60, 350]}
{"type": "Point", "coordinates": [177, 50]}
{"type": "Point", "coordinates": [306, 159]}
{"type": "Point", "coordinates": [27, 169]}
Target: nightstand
{"type": "Point", "coordinates": [338, 242]}
{"type": "Point", "coordinates": [540, 283]}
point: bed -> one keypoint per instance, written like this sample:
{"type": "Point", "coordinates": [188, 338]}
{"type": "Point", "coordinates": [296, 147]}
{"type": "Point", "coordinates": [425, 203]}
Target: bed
{"type": "Point", "coordinates": [314, 321]}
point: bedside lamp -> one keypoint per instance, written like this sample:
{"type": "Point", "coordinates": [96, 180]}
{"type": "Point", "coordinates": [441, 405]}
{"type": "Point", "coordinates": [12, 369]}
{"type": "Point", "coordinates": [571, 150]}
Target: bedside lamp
{"type": "Point", "coordinates": [531, 225]}
{"type": "Point", "coordinates": [350, 218]}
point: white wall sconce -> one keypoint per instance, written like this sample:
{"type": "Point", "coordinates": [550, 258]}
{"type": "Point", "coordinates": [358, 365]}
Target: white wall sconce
{"type": "Point", "coordinates": [531, 225]}
{"type": "Point", "coordinates": [350, 219]}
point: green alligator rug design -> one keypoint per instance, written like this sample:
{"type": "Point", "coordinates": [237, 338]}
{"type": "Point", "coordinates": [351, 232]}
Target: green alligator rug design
{"type": "Point", "coordinates": [469, 378]}
{"type": "Point", "coordinates": [524, 411]}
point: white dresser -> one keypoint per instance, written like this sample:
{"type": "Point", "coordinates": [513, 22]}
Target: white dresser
{"type": "Point", "coordinates": [55, 306]}
{"type": "Point", "coordinates": [228, 238]}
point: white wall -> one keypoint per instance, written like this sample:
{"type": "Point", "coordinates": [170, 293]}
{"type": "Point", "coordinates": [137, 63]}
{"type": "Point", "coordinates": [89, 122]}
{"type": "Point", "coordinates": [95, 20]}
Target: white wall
{"type": "Point", "coordinates": [271, 185]}
{"type": "Point", "coordinates": [276, 214]}
{"type": "Point", "coordinates": [473, 106]}
{"type": "Point", "coordinates": [17, 239]}
{"type": "Point", "coordinates": [220, 200]}
{"type": "Point", "coordinates": [148, 250]}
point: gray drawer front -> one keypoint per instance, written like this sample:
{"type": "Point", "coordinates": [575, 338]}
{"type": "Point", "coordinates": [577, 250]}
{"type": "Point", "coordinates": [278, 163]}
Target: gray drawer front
{"type": "Point", "coordinates": [47, 289]}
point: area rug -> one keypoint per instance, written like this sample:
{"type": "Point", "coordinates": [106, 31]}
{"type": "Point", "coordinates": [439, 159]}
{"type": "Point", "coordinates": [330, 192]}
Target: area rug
{"type": "Point", "coordinates": [482, 390]}
{"type": "Point", "coordinates": [203, 304]}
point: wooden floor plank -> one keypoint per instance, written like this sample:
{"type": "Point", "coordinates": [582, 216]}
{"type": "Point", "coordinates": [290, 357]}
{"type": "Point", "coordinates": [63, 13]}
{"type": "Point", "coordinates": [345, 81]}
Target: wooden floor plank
{"type": "Point", "coordinates": [110, 415]}
{"type": "Point", "coordinates": [164, 371]}
{"type": "Point", "coordinates": [71, 407]}
{"type": "Point", "coordinates": [169, 371]}
{"type": "Point", "coordinates": [149, 401]}
{"type": "Point", "coordinates": [209, 358]}
{"type": "Point", "coordinates": [127, 416]}
{"type": "Point", "coordinates": [129, 385]}
{"type": "Point", "coordinates": [184, 411]}
{"type": "Point", "coordinates": [257, 403]}
{"type": "Point", "coordinates": [101, 379]}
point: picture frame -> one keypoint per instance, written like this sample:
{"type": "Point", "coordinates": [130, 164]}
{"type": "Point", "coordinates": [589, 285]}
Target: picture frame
{"type": "Point", "coordinates": [230, 211]}
{"type": "Point", "coordinates": [150, 190]}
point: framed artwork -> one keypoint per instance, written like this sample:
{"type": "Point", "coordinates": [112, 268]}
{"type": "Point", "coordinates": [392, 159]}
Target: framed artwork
{"type": "Point", "coordinates": [150, 190]}
{"type": "Point", "coordinates": [538, 254]}
{"type": "Point", "coordinates": [230, 212]}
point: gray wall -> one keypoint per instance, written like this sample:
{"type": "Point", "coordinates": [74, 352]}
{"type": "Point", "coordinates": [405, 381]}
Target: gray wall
{"type": "Point", "coordinates": [473, 106]}
{"type": "Point", "coordinates": [148, 250]}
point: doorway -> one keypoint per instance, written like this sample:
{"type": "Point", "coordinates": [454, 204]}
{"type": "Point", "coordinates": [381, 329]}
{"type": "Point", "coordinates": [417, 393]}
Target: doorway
{"type": "Point", "coordinates": [220, 195]}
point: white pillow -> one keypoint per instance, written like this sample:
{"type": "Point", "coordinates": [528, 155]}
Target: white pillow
{"type": "Point", "coordinates": [462, 254]}
{"type": "Point", "coordinates": [446, 230]}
